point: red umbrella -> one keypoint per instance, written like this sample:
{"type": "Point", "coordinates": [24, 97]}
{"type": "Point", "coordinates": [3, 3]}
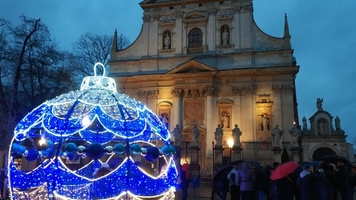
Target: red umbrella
{"type": "Point", "coordinates": [284, 170]}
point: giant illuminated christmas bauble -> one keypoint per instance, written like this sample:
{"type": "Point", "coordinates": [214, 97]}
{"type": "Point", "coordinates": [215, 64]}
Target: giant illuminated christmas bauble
{"type": "Point", "coordinates": [93, 143]}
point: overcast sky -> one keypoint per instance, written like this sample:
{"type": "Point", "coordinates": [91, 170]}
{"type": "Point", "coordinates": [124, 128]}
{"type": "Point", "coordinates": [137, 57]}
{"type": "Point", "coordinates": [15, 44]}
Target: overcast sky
{"type": "Point", "coordinates": [323, 38]}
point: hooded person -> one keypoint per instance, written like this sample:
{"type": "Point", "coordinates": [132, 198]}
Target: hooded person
{"type": "Point", "coordinates": [307, 183]}
{"type": "Point", "coordinates": [246, 180]}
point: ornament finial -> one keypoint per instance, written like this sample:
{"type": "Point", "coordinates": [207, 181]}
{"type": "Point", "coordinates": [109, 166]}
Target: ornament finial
{"type": "Point", "coordinates": [98, 82]}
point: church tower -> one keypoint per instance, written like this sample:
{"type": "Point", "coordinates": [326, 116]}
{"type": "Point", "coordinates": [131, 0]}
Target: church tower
{"type": "Point", "coordinates": [206, 64]}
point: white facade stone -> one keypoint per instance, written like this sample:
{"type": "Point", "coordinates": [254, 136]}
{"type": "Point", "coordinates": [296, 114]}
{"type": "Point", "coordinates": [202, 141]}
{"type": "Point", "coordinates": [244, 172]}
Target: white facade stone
{"type": "Point", "coordinates": [252, 75]}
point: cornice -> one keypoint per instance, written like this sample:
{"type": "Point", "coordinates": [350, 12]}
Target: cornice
{"type": "Point", "coordinates": [245, 90]}
{"type": "Point", "coordinates": [283, 87]}
{"type": "Point", "coordinates": [146, 94]}
{"type": "Point", "coordinates": [195, 92]}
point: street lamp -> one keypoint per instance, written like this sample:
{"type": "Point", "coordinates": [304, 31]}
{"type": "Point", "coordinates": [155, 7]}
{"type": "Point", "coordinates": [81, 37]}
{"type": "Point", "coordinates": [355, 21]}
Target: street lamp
{"type": "Point", "coordinates": [230, 144]}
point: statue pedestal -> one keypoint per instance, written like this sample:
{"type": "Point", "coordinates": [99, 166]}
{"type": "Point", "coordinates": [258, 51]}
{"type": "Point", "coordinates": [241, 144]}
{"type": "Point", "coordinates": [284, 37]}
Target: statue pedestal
{"type": "Point", "coordinates": [194, 167]}
{"type": "Point", "coordinates": [277, 154]}
{"type": "Point", "coordinates": [177, 155]}
{"type": "Point", "coordinates": [194, 170]}
{"type": "Point", "coordinates": [218, 155]}
{"type": "Point", "coordinates": [194, 154]}
{"type": "Point", "coordinates": [236, 153]}
{"type": "Point", "coordinates": [295, 153]}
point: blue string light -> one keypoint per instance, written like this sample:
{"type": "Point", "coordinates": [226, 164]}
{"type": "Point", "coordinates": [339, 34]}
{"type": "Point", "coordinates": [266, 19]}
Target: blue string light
{"type": "Point", "coordinates": [95, 124]}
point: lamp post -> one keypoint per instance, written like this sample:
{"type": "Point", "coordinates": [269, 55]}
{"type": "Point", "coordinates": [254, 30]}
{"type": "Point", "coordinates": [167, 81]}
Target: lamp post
{"type": "Point", "coordinates": [213, 156]}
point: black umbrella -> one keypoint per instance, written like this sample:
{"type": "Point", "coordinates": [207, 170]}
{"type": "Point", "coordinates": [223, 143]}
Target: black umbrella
{"type": "Point", "coordinates": [334, 158]}
{"type": "Point", "coordinates": [222, 172]}
{"type": "Point", "coordinates": [220, 181]}
{"type": "Point", "coordinates": [251, 164]}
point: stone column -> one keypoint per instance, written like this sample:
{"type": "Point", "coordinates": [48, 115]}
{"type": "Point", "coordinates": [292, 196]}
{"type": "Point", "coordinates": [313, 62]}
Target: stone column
{"type": "Point", "coordinates": [209, 153]}
{"type": "Point", "coordinates": [209, 126]}
{"type": "Point", "coordinates": [211, 35]}
{"type": "Point", "coordinates": [178, 42]}
{"type": "Point", "coordinates": [177, 107]}
{"type": "Point", "coordinates": [236, 34]}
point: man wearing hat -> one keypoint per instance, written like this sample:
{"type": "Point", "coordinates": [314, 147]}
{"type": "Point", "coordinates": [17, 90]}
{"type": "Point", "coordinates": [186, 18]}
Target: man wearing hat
{"type": "Point", "coordinates": [307, 183]}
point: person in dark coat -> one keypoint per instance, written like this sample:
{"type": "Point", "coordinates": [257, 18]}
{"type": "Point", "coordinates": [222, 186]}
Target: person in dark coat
{"type": "Point", "coordinates": [262, 183]}
{"type": "Point", "coordinates": [325, 186]}
{"type": "Point", "coordinates": [307, 183]}
{"type": "Point", "coordinates": [342, 179]}
{"type": "Point", "coordinates": [280, 189]}
{"type": "Point", "coordinates": [234, 185]}
{"type": "Point", "coordinates": [246, 179]}
{"type": "Point", "coordinates": [268, 171]}
{"type": "Point", "coordinates": [184, 184]}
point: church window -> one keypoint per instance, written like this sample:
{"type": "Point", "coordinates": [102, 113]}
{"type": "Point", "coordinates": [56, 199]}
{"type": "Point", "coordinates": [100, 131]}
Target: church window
{"type": "Point", "coordinates": [195, 38]}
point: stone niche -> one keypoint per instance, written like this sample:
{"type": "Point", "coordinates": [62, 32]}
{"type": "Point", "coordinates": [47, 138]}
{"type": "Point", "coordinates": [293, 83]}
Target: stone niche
{"type": "Point", "coordinates": [225, 114]}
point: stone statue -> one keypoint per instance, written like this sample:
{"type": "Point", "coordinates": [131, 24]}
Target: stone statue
{"type": "Point", "coordinates": [167, 41]}
{"type": "Point", "coordinates": [338, 131]}
{"type": "Point", "coordinates": [304, 120]}
{"type": "Point", "coordinates": [165, 120]}
{"type": "Point", "coordinates": [337, 123]}
{"type": "Point", "coordinates": [225, 37]}
{"type": "Point", "coordinates": [219, 135]}
{"type": "Point", "coordinates": [322, 127]}
{"type": "Point", "coordinates": [319, 103]}
{"type": "Point", "coordinates": [236, 133]}
{"type": "Point", "coordinates": [225, 120]}
{"type": "Point", "coordinates": [295, 133]}
{"type": "Point", "coordinates": [265, 122]}
{"type": "Point", "coordinates": [196, 135]}
{"type": "Point", "coordinates": [177, 133]}
{"type": "Point", "coordinates": [276, 136]}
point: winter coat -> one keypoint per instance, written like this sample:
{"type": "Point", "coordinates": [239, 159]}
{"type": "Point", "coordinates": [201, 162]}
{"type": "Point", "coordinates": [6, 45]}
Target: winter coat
{"type": "Point", "coordinates": [307, 183]}
{"type": "Point", "coordinates": [246, 178]}
{"type": "Point", "coordinates": [184, 185]}
{"type": "Point", "coordinates": [280, 189]}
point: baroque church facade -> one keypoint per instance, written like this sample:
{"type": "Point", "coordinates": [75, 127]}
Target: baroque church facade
{"type": "Point", "coordinates": [206, 64]}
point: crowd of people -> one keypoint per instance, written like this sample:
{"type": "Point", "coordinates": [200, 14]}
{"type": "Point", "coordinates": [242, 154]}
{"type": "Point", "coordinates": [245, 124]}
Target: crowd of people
{"type": "Point", "coordinates": [309, 181]}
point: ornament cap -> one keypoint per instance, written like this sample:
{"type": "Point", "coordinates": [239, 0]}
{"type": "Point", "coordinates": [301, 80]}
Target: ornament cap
{"type": "Point", "coordinates": [98, 82]}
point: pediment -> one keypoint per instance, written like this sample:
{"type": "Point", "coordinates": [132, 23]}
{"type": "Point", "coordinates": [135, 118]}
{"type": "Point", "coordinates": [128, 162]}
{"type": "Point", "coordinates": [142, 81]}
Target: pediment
{"type": "Point", "coordinates": [194, 16]}
{"type": "Point", "coordinates": [192, 66]}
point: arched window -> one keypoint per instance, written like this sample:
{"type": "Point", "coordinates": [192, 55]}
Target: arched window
{"type": "Point", "coordinates": [195, 38]}
{"type": "Point", "coordinates": [166, 39]}
{"type": "Point", "coordinates": [225, 35]}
